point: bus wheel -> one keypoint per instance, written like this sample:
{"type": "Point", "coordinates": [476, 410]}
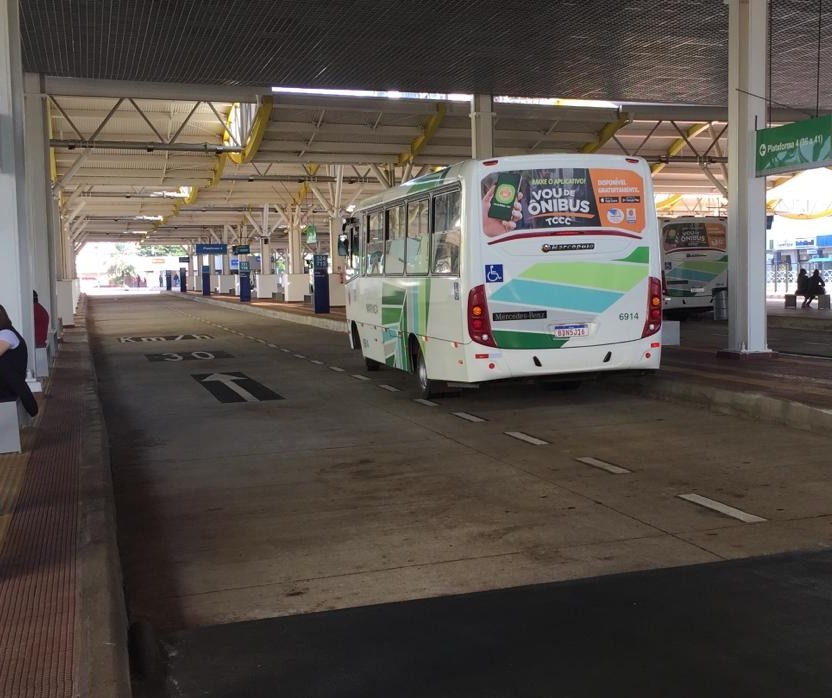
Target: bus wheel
{"type": "Point", "coordinates": [427, 387]}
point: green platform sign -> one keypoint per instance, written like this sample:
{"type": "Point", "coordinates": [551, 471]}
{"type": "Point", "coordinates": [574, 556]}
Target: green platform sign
{"type": "Point", "coordinates": [803, 145]}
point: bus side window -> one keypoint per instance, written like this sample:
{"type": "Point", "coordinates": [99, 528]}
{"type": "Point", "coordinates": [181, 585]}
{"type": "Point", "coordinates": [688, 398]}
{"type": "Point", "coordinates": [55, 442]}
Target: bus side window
{"type": "Point", "coordinates": [418, 237]}
{"type": "Point", "coordinates": [375, 244]}
{"type": "Point", "coordinates": [446, 233]}
{"type": "Point", "coordinates": [394, 251]}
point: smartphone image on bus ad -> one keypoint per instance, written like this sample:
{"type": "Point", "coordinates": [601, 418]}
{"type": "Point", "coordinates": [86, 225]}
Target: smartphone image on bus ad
{"type": "Point", "coordinates": [505, 195]}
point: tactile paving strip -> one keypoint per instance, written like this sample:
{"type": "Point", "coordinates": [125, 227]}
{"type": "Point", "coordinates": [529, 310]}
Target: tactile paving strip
{"type": "Point", "coordinates": [38, 560]}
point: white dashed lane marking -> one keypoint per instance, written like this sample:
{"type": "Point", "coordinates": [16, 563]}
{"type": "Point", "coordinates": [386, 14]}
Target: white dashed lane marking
{"type": "Point", "coordinates": [336, 369]}
{"type": "Point", "coordinates": [603, 465]}
{"type": "Point", "coordinates": [359, 377]}
{"type": "Point", "coordinates": [721, 508]}
{"type": "Point", "coordinates": [468, 417]}
{"type": "Point", "coordinates": [316, 362]}
{"type": "Point", "coordinates": [389, 388]}
{"type": "Point", "coordinates": [426, 403]}
{"type": "Point", "coordinates": [525, 437]}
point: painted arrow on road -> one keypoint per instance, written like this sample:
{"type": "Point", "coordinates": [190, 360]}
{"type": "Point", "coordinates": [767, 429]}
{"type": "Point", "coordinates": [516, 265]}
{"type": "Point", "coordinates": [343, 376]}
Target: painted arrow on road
{"type": "Point", "coordinates": [233, 386]}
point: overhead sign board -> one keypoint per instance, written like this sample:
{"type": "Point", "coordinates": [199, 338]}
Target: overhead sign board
{"type": "Point", "coordinates": [803, 145]}
{"type": "Point", "coordinates": [184, 259]}
{"type": "Point", "coordinates": [241, 249]}
{"type": "Point", "coordinates": [211, 248]}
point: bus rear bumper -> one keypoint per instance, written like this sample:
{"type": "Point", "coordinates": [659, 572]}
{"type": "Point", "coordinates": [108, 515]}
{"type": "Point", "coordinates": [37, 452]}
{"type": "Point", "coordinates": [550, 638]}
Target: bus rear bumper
{"type": "Point", "coordinates": [487, 363]}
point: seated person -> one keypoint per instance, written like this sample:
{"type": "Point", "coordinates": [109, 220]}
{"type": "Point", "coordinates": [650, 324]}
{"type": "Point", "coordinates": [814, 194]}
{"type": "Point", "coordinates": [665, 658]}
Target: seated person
{"type": "Point", "coordinates": [41, 321]}
{"type": "Point", "coordinates": [13, 358]}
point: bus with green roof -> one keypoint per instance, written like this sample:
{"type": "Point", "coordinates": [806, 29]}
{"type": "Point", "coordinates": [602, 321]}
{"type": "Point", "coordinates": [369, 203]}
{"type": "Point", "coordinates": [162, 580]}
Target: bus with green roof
{"type": "Point", "coordinates": [530, 266]}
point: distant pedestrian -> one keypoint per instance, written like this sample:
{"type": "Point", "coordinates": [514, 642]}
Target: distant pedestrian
{"type": "Point", "coordinates": [41, 321]}
{"type": "Point", "coordinates": [161, 280]}
{"type": "Point", "coordinates": [176, 279]}
{"type": "Point", "coordinates": [802, 285]}
{"type": "Point", "coordinates": [816, 287]}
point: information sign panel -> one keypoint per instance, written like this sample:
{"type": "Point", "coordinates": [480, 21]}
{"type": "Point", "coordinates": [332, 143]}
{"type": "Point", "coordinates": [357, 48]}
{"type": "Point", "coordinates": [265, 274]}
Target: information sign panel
{"type": "Point", "coordinates": [211, 248]}
{"type": "Point", "coordinates": [802, 145]}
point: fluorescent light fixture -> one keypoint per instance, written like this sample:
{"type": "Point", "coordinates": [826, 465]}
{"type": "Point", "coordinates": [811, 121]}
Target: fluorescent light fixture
{"type": "Point", "coordinates": [148, 218]}
{"type": "Point", "coordinates": [384, 94]}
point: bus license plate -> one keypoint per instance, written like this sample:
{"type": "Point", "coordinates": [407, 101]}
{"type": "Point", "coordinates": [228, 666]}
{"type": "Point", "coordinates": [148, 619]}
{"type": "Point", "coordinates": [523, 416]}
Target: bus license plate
{"type": "Point", "coordinates": [570, 330]}
{"type": "Point", "coordinates": [698, 289]}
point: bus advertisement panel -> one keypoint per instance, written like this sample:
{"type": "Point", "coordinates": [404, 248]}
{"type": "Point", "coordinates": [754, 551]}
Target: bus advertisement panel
{"type": "Point", "coordinates": [695, 263]}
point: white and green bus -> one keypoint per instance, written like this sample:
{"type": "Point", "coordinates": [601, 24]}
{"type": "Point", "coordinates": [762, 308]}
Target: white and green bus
{"type": "Point", "coordinates": [531, 266]}
{"type": "Point", "coordinates": [695, 263]}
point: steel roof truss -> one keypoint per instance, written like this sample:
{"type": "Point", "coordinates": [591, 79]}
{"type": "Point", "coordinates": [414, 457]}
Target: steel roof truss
{"type": "Point", "coordinates": [647, 138]}
{"type": "Point", "coordinates": [710, 175]}
{"type": "Point", "coordinates": [546, 134]}
{"type": "Point", "coordinates": [693, 131]}
{"type": "Point", "coordinates": [184, 123]}
{"type": "Point", "coordinates": [106, 119]}
{"type": "Point", "coordinates": [224, 125]}
{"type": "Point", "coordinates": [66, 116]}
{"type": "Point", "coordinates": [620, 145]}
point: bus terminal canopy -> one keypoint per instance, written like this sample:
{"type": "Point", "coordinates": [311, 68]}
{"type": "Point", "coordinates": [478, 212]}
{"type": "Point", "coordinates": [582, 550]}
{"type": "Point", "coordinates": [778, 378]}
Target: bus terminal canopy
{"type": "Point", "coordinates": [673, 51]}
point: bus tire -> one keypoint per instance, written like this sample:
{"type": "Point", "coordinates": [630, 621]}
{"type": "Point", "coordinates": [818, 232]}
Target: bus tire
{"type": "Point", "coordinates": [355, 338]}
{"type": "Point", "coordinates": [427, 387]}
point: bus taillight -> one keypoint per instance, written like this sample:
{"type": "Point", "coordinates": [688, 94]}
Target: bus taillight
{"type": "Point", "coordinates": [479, 324]}
{"type": "Point", "coordinates": [654, 308]}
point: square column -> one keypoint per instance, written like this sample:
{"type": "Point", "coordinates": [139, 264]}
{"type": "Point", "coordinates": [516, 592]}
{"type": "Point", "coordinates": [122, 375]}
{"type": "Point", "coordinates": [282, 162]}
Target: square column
{"type": "Point", "coordinates": [747, 61]}
{"type": "Point", "coordinates": [482, 127]}
{"type": "Point", "coordinates": [16, 279]}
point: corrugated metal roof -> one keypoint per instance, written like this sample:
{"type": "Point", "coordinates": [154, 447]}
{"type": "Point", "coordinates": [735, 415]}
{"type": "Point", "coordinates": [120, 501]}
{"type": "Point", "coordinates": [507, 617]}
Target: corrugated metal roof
{"type": "Point", "coordinates": [668, 51]}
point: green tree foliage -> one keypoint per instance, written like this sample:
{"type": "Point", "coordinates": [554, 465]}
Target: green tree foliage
{"type": "Point", "coordinates": [121, 273]}
{"type": "Point", "coordinates": [161, 250]}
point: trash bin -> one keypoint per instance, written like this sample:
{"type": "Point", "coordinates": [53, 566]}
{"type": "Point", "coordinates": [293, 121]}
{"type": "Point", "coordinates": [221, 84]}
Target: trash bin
{"type": "Point", "coordinates": [720, 304]}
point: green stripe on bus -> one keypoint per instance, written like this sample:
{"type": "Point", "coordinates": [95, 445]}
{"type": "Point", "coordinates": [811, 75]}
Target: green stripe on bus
{"type": "Point", "coordinates": [640, 255]}
{"type": "Point", "coordinates": [709, 267]}
{"type": "Point", "coordinates": [610, 276]}
{"type": "Point", "coordinates": [526, 340]}
{"type": "Point", "coordinates": [391, 315]}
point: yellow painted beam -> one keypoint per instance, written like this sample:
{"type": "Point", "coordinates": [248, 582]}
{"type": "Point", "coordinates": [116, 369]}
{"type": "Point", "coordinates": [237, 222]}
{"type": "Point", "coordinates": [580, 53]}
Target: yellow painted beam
{"type": "Point", "coordinates": [668, 203]}
{"type": "Point", "coordinates": [676, 147]}
{"type": "Point", "coordinates": [604, 135]}
{"type": "Point", "coordinates": [429, 128]}
{"type": "Point", "coordinates": [255, 137]}
{"type": "Point", "coordinates": [304, 190]}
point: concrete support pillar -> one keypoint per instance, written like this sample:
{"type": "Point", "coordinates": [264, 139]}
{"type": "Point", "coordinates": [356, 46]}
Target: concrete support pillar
{"type": "Point", "coordinates": [16, 279]}
{"type": "Point", "coordinates": [482, 127]}
{"type": "Point", "coordinates": [337, 290]}
{"type": "Point", "coordinates": [39, 196]}
{"type": "Point", "coordinates": [191, 275]}
{"type": "Point", "coordinates": [267, 279]}
{"type": "Point", "coordinates": [747, 32]}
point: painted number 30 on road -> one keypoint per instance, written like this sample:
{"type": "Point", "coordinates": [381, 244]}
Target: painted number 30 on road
{"type": "Point", "coordinates": [189, 356]}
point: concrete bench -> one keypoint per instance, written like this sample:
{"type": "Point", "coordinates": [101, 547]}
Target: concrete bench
{"type": "Point", "coordinates": [823, 302]}
{"type": "Point", "coordinates": [12, 418]}
{"type": "Point", "coordinates": [791, 301]}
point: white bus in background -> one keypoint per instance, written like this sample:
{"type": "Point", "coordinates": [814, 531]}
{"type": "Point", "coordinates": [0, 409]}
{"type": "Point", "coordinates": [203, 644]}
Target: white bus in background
{"type": "Point", "coordinates": [695, 263]}
{"type": "Point", "coordinates": [533, 266]}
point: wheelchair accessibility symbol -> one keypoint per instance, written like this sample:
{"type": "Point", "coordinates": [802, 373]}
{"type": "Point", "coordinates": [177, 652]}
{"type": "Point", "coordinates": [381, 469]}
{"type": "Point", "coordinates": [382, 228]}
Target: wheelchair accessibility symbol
{"type": "Point", "coordinates": [493, 273]}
